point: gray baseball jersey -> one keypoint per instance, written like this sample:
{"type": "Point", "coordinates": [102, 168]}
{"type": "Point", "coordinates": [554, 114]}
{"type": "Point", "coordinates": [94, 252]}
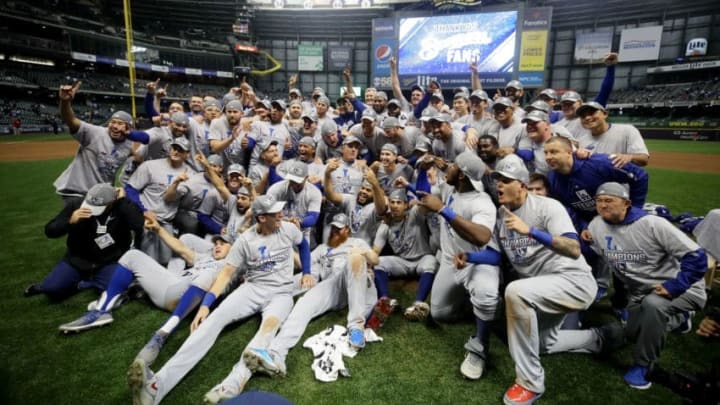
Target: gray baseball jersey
{"type": "Point", "coordinates": [474, 206]}
{"type": "Point", "coordinates": [619, 138]}
{"type": "Point", "coordinates": [219, 130]}
{"type": "Point", "coordinates": [387, 180]}
{"type": "Point", "coordinates": [266, 259]}
{"type": "Point", "coordinates": [237, 220]}
{"type": "Point", "coordinates": [325, 151]}
{"type": "Point", "coordinates": [256, 172]}
{"type": "Point", "coordinates": [528, 256]}
{"type": "Point", "coordinates": [158, 146]}
{"type": "Point", "coordinates": [297, 205]}
{"type": "Point", "coordinates": [327, 261]}
{"type": "Point", "coordinates": [408, 238]}
{"type": "Point", "coordinates": [510, 136]}
{"type": "Point", "coordinates": [261, 131]}
{"type": "Point", "coordinates": [202, 138]}
{"type": "Point", "coordinates": [644, 253]}
{"type": "Point", "coordinates": [364, 221]}
{"type": "Point", "coordinates": [198, 188]}
{"type": "Point", "coordinates": [449, 149]}
{"type": "Point", "coordinates": [152, 180]}
{"type": "Point", "coordinates": [347, 179]}
{"type": "Point", "coordinates": [214, 206]}
{"type": "Point", "coordinates": [575, 127]}
{"type": "Point", "coordinates": [371, 143]}
{"type": "Point", "coordinates": [97, 160]}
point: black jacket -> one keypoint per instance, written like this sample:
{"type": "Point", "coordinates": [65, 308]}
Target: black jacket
{"type": "Point", "coordinates": [124, 223]}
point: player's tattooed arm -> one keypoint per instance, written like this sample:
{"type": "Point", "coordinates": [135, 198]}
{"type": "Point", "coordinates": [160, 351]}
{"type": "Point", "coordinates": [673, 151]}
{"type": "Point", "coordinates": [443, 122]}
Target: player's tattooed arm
{"type": "Point", "coordinates": [565, 246]}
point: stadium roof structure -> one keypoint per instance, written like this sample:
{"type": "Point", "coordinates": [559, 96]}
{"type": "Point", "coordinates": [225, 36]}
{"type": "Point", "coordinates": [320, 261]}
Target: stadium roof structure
{"type": "Point", "coordinates": [271, 23]}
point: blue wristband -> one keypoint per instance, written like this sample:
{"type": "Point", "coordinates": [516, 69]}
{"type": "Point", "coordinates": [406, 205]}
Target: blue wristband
{"type": "Point", "coordinates": [541, 236]}
{"type": "Point", "coordinates": [208, 299]}
{"type": "Point", "coordinates": [448, 214]}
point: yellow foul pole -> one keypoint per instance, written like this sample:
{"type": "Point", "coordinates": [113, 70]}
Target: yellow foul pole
{"type": "Point", "coordinates": [130, 56]}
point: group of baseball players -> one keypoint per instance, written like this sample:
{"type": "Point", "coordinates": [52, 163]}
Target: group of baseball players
{"type": "Point", "coordinates": [239, 205]}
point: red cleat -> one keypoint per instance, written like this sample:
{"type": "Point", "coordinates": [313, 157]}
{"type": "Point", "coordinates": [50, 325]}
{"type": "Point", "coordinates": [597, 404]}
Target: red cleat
{"type": "Point", "coordinates": [517, 395]}
{"type": "Point", "coordinates": [380, 313]}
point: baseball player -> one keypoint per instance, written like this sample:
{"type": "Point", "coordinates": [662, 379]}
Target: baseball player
{"type": "Point", "coordinates": [224, 133]}
{"type": "Point", "coordinates": [102, 150]}
{"type": "Point", "coordinates": [216, 208]}
{"type": "Point", "coordinates": [302, 202]}
{"type": "Point", "coordinates": [263, 171]}
{"type": "Point", "coordinates": [539, 240]}
{"type": "Point", "coordinates": [461, 108]}
{"type": "Point", "coordinates": [531, 146]}
{"type": "Point", "coordinates": [275, 129]}
{"type": "Point", "coordinates": [395, 110]}
{"type": "Point", "coordinates": [622, 142]}
{"type": "Point", "coordinates": [306, 155]}
{"type": "Point", "coordinates": [364, 208]}
{"type": "Point", "coordinates": [330, 144]}
{"type": "Point", "coordinates": [449, 142]}
{"type": "Point", "coordinates": [550, 97]}
{"type": "Point", "coordinates": [341, 267]}
{"type": "Point", "coordinates": [402, 137]}
{"type": "Point", "coordinates": [170, 291]}
{"type": "Point", "coordinates": [155, 188]}
{"type": "Point", "coordinates": [661, 267]}
{"type": "Point", "coordinates": [514, 91]}
{"type": "Point", "coordinates": [346, 174]}
{"type": "Point", "coordinates": [99, 230]}
{"type": "Point", "coordinates": [408, 235]}
{"type": "Point", "coordinates": [211, 109]}
{"type": "Point", "coordinates": [265, 254]}
{"type": "Point", "coordinates": [199, 185]}
{"type": "Point", "coordinates": [511, 129]}
{"type": "Point", "coordinates": [468, 217]}
{"type": "Point", "coordinates": [389, 167]}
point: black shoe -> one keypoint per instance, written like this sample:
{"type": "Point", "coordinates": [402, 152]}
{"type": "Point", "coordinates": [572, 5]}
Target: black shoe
{"type": "Point", "coordinates": [31, 290]}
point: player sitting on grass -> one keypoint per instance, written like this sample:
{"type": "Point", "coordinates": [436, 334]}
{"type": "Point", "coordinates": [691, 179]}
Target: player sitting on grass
{"type": "Point", "coordinates": [661, 268]}
{"type": "Point", "coordinates": [177, 292]}
{"type": "Point", "coordinates": [341, 265]}
{"type": "Point", "coordinates": [407, 233]}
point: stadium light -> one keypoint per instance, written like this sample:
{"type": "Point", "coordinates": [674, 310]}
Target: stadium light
{"type": "Point", "coordinates": [308, 4]}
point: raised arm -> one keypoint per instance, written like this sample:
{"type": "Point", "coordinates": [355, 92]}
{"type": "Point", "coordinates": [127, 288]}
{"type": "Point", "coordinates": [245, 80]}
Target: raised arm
{"type": "Point", "coordinates": [173, 243]}
{"type": "Point", "coordinates": [66, 95]}
{"type": "Point", "coordinates": [378, 192]}
{"type": "Point", "coordinates": [330, 193]}
{"type": "Point", "coordinates": [215, 179]}
{"type": "Point", "coordinates": [395, 80]}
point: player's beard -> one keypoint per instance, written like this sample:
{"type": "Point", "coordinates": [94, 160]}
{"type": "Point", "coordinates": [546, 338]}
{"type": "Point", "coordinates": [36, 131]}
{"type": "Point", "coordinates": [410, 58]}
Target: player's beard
{"type": "Point", "coordinates": [336, 239]}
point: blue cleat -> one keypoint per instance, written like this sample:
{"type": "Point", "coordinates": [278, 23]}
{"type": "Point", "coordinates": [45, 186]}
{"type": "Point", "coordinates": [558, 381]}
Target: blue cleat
{"type": "Point", "coordinates": [260, 360]}
{"type": "Point", "coordinates": [91, 319]}
{"type": "Point", "coordinates": [686, 325]}
{"type": "Point", "coordinates": [357, 338]}
{"type": "Point", "coordinates": [635, 378]}
{"type": "Point", "coordinates": [622, 315]}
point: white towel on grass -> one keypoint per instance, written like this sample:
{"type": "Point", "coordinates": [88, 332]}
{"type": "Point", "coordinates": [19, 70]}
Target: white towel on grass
{"type": "Point", "coordinates": [329, 347]}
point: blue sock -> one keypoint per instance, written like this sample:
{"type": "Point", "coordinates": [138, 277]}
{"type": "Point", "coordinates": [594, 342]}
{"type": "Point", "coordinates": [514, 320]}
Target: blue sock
{"type": "Point", "coordinates": [119, 282]}
{"type": "Point", "coordinates": [189, 300]}
{"type": "Point", "coordinates": [424, 286]}
{"type": "Point", "coordinates": [382, 283]}
{"type": "Point", "coordinates": [482, 333]}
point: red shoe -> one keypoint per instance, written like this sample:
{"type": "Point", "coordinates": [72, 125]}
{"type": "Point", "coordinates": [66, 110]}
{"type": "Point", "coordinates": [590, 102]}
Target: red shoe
{"type": "Point", "coordinates": [380, 313]}
{"type": "Point", "coordinates": [517, 395]}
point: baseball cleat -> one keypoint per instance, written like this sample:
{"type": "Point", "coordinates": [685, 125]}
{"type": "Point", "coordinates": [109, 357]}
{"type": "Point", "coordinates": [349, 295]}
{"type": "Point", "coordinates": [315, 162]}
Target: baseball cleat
{"type": "Point", "coordinates": [91, 319]}
{"type": "Point", "coordinates": [357, 338]}
{"type": "Point", "coordinates": [622, 315]}
{"type": "Point", "coordinates": [686, 325]}
{"type": "Point", "coordinates": [142, 383]}
{"type": "Point", "coordinates": [517, 395]}
{"type": "Point", "coordinates": [473, 366]}
{"type": "Point", "coordinates": [220, 393]}
{"type": "Point", "coordinates": [381, 312]}
{"type": "Point", "coordinates": [635, 378]}
{"type": "Point", "coordinates": [31, 290]}
{"type": "Point", "coordinates": [418, 311]}
{"type": "Point", "coordinates": [260, 360]}
{"type": "Point", "coordinates": [152, 348]}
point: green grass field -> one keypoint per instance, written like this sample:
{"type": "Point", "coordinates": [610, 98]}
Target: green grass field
{"type": "Point", "coordinates": [416, 363]}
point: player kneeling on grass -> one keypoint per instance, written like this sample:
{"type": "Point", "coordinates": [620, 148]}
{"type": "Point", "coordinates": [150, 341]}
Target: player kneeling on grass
{"type": "Point", "coordinates": [407, 232]}
{"type": "Point", "coordinates": [341, 265]}
{"type": "Point", "coordinates": [178, 292]}
{"type": "Point", "coordinates": [538, 238]}
{"type": "Point", "coordinates": [264, 253]}
{"type": "Point", "coordinates": [661, 267]}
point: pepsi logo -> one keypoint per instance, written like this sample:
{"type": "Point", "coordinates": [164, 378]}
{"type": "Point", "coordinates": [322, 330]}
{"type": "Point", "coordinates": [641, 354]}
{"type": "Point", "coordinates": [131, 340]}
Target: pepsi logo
{"type": "Point", "coordinates": [383, 53]}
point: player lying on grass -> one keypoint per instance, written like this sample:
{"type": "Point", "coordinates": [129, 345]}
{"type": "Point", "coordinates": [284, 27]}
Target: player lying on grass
{"type": "Point", "coordinates": [172, 291]}
{"type": "Point", "coordinates": [264, 254]}
{"type": "Point", "coordinates": [341, 265]}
